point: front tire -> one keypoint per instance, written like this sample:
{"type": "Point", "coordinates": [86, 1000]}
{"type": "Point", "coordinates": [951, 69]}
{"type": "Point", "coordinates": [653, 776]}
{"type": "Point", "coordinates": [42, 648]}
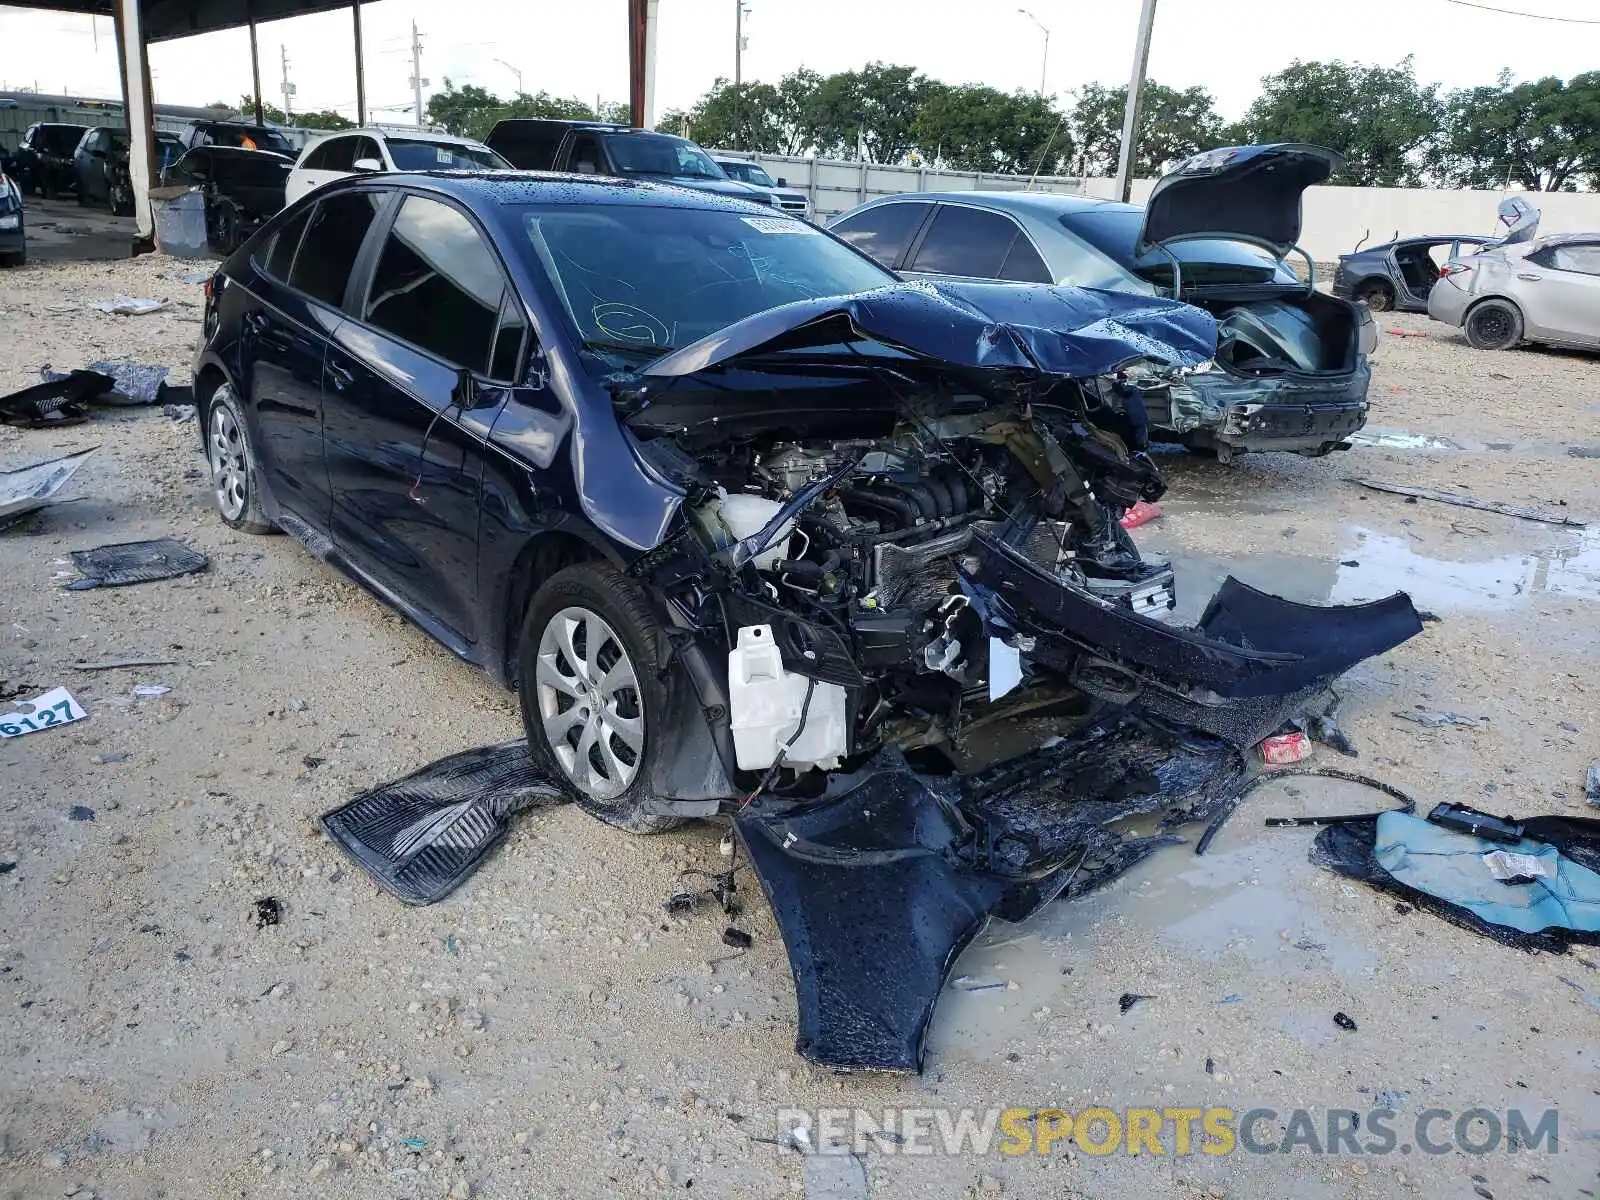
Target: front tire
{"type": "Point", "coordinates": [1494, 325]}
{"type": "Point", "coordinates": [593, 701]}
{"type": "Point", "coordinates": [235, 474]}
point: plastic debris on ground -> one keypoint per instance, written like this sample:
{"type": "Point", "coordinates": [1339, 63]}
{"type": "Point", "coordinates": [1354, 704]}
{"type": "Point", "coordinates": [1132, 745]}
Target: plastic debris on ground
{"type": "Point", "coordinates": [1283, 748]}
{"type": "Point", "coordinates": [1592, 784]}
{"type": "Point", "coordinates": [1462, 501]}
{"type": "Point", "coordinates": [124, 563]}
{"type": "Point", "coordinates": [149, 691]}
{"type": "Point", "coordinates": [1438, 720]}
{"type": "Point", "coordinates": [1344, 1022]}
{"type": "Point", "coordinates": [421, 836]}
{"type": "Point", "coordinates": [1142, 513]}
{"type": "Point", "coordinates": [132, 384]}
{"type": "Point", "coordinates": [27, 489]}
{"type": "Point", "coordinates": [266, 912]}
{"type": "Point", "coordinates": [1128, 999]}
{"type": "Point", "coordinates": [129, 306]}
{"type": "Point", "coordinates": [58, 401]}
{"type": "Point", "coordinates": [46, 711]}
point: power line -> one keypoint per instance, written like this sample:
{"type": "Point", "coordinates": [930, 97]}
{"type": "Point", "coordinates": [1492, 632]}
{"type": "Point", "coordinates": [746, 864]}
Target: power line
{"type": "Point", "coordinates": [1512, 12]}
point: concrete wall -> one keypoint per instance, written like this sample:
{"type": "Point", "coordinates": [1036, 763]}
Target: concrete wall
{"type": "Point", "coordinates": [1336, 218]}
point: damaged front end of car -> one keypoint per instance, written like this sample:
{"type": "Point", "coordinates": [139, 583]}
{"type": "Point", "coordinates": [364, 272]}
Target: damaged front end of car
{"type": "Point", "coordinates": [922, 644]}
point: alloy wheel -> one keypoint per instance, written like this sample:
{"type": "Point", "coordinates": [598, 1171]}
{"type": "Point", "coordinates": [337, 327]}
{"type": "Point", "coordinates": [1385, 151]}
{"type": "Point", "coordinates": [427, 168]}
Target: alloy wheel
{"type": "Point", "coordinates": [589, 704]}
{"type": "Point", "coordinates": [230, 474]}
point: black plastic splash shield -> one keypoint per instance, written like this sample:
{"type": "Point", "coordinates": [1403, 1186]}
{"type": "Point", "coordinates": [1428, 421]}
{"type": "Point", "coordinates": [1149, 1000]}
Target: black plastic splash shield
{"type": "Point", "coordinates": [874, 907]}
{"type": "Point", "coordinates": [420, 837]}
{"type": "Point", "coordinates": [57, 401]}
{"type": "Point", "coordinates": [137, 562]}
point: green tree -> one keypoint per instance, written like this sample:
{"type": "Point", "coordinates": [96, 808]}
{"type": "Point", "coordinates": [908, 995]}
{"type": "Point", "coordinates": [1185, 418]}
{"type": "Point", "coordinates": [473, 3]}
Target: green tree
{"type": "Point", "coordinates": [462, 110]}
{"type": "Point", "coordinates": [322, 119]}
{"type": "Point", "coordinates": [974, 128]}
{"type": "Point", "coordinates": [731, 116]}
{"type": "Point", "coordinates": [1173, 125]}
{"type": "Point", "coordinates": [876, 106]}
{"type": "Point", "coordinates": [1542, 135]}
{"type": "Point", "coordinates": [1380, 119]}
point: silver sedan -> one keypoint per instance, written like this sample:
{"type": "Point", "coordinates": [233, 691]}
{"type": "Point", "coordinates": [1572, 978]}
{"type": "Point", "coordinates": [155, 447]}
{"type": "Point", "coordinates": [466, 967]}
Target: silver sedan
{"type": "Point", "coordinates": [1545, 291]}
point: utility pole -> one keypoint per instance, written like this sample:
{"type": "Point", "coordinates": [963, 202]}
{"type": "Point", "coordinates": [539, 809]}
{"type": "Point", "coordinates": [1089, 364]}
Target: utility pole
{"type": "Point", "coordinates": [739, 41]}
{"type": "Point", "coordinates": [1130, 114]}
{"type": "Point", "coordinates": [417, 81]}
{"type": "Point", "coordinates": [288, 88]}
{"type": "Point", "coordinates": [1044, 61]}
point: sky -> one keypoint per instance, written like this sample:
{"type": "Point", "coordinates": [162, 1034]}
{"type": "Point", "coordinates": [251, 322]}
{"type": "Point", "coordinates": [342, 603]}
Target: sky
{"type": "Point", "coordinates": [579, 47]}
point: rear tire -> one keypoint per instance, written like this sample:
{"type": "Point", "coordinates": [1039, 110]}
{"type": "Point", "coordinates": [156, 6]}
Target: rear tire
{"type": "Point", "coordinates": [235, 473]}
{"type": "Point", "coordinates": [594, 703]}
{"type": "Point", "coordinates": [1379, 297]}
{"type": "Point", "coordinates": [1493, 325]}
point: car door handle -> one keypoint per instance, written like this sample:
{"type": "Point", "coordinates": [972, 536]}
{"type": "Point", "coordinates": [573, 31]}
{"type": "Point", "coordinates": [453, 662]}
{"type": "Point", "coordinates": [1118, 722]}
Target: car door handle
{"type": "Point", "coordinates": [1530, 276]}
{"type": "Point", "coordinates": [341, 377]}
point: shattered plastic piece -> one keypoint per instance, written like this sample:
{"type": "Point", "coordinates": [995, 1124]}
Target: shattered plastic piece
{"type": "Point", "coordinates": [149, 691]}
{"type": "Point", "coordinates": [80, 812]}
{"type": "Point", "coordinates": [1282, 749]}
{"type": "Point", "coordinates": [33, 487]}
{"type": "Point", "coordinates": [421, 836]}
{"type": "Point", "coordinates": [1510, 867]}
{"type": "Point", "coordinates": [1344, 1022]}
{"type": "Point", "coordinates": [266, 912]}
{"type": "Point", "coordinates": [737, 938]}
{"type": "Point", "coordinates": [131, 384]}
{"type": "Point", "coordinates": [1142, 513]}
{"type": "Point", "coordinates": [55, 707]}
{"type": "Point", "coordinates": [1438, 720]}
{"type": "Point", "coordinates": [129, 306]}
{"type": "Point", "coordinates": [1460, 501]}
{"type": "Point", "coordinates": [136, 562]}
{"type": "Point", "coordinates": [1128, 999]}
{"type": "Point", "coordinates": [974, 983]}
{"type": "Point", "coordinates": [58, 401]}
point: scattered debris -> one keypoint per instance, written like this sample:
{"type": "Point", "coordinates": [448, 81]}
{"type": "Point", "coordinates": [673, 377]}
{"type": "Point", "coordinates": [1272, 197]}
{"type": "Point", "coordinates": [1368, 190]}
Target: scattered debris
{"type": "Point", "coordinates": [117, 664]}
{"type": "Point", "coordinates": [267, 912]}
{"type": "Point", "coordinates": [1437, 720]}
{"type": "Point", "coordinates": [1583, 451]}
{"type": "Point", "coordinates": [129, 306]}
{"type": "Point", "coordinates": [1142, 513]}
{"type": "Point", "coordinates": [721, 890]}
{"type": "Point", "coordinates": [1344, 1022]}
{"type": "Point", "coordinates": [738, 939]}
{"type": "Point", "coordinates": [1232, 998]}
{"type": "Point", "coordinates": [110, 757]}
{"type": "Point", "coordinates": [1568, 726]}
{"type": "Point", "coordinates": [55, 402]}
{"type": "Point", "coordinates": [26, 489]}
{"type": "Point", "coordinates": [135, 562]}
{"type": "Point", "coordinates": [1282, 749]}
{"type": "Point", "coordinates": [80, 812]}
{"type": "Point", "coordinates": [179, 412]}
{"type": "Point", "coordinates": [420, 836]}
{"type": "Point", "coordinates": [55, 707]}
{"type": "Point", "coordinates": [312, 761]}
{"type": "Point", "coordinates": [1461, 501]}
{"type": "Point", "coordinates": [833, 1174]}
{"type": "Point", "coordinates": [1211, 1065]}
{"type": "Point", "coordinates": [1405, 333]}
{"type": "Point", "coordinates": [8, 866]}
{"type": "Point", "coordinates": [1589, 997]}
{"type": "Point", "coordinates": [1510, 867]}
{"type": "Point", "coordinates": [1128, 999]}
{"type": "Point", "coordinates": [194, 277]}
{"type": "Point", "coordinates": [149, 691]}
{"type": "Point", "coordinates": [975, 983]}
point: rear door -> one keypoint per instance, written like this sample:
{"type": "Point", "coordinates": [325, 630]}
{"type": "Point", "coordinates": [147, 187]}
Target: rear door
{"type": "Point", "coordinates": [884, 231]}
{"type": "Point", "coordinates": [974, 243]}
{"type": "Point", "coordinates": [308, 267]}
{"type": "Point", "coordinates": [329, 159]}
{"type": "Point", "coordinates": [413, 391]}
{"type": "Point", "coordinates": [1559, 289]}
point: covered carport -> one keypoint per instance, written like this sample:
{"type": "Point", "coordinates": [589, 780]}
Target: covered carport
{"type": "Point", "coordinates": [140, 23]}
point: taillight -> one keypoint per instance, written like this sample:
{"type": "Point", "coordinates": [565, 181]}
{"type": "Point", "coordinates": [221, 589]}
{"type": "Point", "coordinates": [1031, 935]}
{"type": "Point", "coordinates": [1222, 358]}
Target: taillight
{"type": "Point", "coordinates": [1449, 269]}
{"type": "Point", "coordinates": [211, 290]}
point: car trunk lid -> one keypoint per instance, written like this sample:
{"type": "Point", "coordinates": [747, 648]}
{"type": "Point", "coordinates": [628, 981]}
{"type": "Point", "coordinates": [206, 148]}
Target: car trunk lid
{"type": "Point", "coordinates": [1245, 193]}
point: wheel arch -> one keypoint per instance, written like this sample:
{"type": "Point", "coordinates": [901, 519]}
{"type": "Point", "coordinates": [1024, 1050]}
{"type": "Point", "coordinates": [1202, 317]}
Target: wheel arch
{"type": "Point", "coordinates": [541, 556]}
{"type": "Point", "coordinates": [1373, 279]}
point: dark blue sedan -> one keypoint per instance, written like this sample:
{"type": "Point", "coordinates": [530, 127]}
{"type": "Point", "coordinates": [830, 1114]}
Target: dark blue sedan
{"type": "Point", "coordinates": [726, 501]}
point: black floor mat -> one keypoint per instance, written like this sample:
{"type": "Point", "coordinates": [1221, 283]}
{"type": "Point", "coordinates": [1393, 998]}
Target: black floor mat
{"type": "Point", "coordinates": [136, 562]}
{"type": "Point", "coordinates": [421, 836]}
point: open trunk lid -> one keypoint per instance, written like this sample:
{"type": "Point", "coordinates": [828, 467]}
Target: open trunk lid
{"type": "Point", "coordinates": [1244, 193]}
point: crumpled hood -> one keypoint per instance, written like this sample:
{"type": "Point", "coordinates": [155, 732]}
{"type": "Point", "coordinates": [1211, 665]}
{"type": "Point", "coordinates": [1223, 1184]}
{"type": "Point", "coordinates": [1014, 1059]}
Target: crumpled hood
{"type": "Point", "coordinates": [1030, 328]}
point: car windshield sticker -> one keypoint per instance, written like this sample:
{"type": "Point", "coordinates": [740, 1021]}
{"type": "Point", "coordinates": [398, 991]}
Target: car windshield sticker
{"type": "Point", "coordinates": [780, 225]}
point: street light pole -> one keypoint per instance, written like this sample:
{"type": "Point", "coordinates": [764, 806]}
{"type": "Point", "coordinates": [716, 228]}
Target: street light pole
{"type": "Point", "coordinates": [1044, 62]}
{"type": "Point", "coordinates": [1130, 114]}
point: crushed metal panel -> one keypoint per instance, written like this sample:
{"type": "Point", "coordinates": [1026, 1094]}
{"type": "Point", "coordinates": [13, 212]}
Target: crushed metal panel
{"type": "Point", "coordinates": [33, 487]}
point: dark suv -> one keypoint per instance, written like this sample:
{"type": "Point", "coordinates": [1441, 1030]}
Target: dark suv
{"type": "Point", "coordinates": [44, 161]}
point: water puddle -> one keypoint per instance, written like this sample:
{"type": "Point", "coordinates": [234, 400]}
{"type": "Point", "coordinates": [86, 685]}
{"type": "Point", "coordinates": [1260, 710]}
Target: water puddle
{"type": "Point", "coordinates": [1385, 564]}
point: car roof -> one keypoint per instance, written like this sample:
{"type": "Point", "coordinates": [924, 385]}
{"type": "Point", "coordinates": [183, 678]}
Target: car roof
{"type": "Point", "coordinates": [549, 187]}
{"type": "Point", "coordinates": [1045, 205]}
{"type": "Point", "coordinates": [404, 135]}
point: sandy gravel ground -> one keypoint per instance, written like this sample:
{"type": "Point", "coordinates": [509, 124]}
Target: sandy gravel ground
{"type": "Point", "coordinates": [549, 1031]}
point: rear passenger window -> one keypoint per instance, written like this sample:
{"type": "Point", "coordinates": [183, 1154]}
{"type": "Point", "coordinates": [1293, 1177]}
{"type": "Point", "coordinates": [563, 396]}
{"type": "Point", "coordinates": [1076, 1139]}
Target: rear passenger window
{"type": "Point", "coordinates": [1584, 259]}
{"type": "Point", "coordinates": [332, 241]}
{"type": "Point", "coordinates": [439, 287]}
{"type": "Point", "coordinates": [278, 255]}
{"type": "Point", "coordinates": [1023, 264]}
{"type": "Point", "coordinates": [966, 241]}
{"type": "Point", "coordinates": [882, 232]}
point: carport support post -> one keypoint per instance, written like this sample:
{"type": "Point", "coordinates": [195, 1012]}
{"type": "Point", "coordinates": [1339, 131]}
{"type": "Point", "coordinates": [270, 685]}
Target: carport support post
{"type": "Point", "coordinates": [132, 52]}
{"type": "Point", "coordinates": [651, 20]}
{"type": "Point", "coordinates": [361, 77]}
{"type": "Point", "coordinates": [638, 30]}
{"type": "Point", "coordinates": [255, 74]}
{"type": "Point", "coordinates": [1130, 112]}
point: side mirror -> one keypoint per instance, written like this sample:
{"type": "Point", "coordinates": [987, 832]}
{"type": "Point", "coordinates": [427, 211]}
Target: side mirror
{"type": "Point", "coordinates": [782, 182]}
{"type": "Point", "coordinates": [367, 165]}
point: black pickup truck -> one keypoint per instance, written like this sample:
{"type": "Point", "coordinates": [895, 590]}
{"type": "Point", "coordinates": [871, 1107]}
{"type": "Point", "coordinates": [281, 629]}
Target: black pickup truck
{"type": "Point", "coordinates": [597, 148]}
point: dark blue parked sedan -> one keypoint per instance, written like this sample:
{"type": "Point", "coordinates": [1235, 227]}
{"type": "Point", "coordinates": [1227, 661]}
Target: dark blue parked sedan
{"type": "Point", "coordinates": [727, 502]}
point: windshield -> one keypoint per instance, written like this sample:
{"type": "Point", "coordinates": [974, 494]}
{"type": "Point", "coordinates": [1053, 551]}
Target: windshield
{"type": "Point", "coordinates": [653, 279]}
{"type": "Point", "coordinates": [251, 137]}
{"type": "Point", "coordinates": [657, 154]}
{"type": "Point", "coordinates": [419, 154]}
{"type": "Point", "coordinates": [748, 172]}
{"type": "Point", "coordinates": [1114, 231]}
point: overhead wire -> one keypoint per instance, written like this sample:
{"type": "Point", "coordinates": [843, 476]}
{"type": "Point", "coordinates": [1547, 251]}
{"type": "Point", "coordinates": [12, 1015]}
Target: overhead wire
{"type": "Point", "coordinates": [1512, 12]}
